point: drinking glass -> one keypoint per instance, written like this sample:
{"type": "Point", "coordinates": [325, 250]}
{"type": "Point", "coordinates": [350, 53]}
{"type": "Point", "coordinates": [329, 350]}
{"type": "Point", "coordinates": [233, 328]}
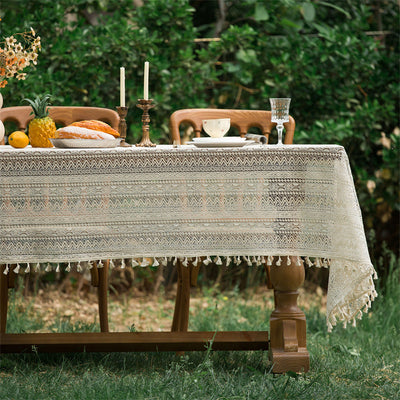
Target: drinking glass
{"type": "Point", "coordinates": [280, 114]}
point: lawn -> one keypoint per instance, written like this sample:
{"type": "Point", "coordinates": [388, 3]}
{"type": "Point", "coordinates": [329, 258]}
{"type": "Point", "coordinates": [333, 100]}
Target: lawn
{"type": "Point", "coordinates": [351, 363]}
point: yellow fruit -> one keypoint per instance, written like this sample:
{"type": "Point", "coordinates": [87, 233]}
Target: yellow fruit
{"type": "Point", "coordinates": [18, 139]}
{"type": "Point", "coordinates": [40, 131]}
{"type": "Point", "coordinates": [42, 127]}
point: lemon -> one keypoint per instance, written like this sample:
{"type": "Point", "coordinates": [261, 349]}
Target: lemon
{"type": "Point", "coordinates": [18, 139]}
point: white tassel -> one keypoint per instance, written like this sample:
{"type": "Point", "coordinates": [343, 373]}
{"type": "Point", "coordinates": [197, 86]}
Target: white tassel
{"type": "Point", "coordinates": [28, 268]}
{"type": "Point", "coordinates": [68, 268]}
{"type": "Point", "coordinates": [249, 263]}
{"type": "Point", "coordinates": [134, 263]}
{"type": "Point", "coordinates": [309, 262]}
{"type": "Point", "coordinates": [325, 263]}
{"type": "Point", "coordinates": [90, 265]}
{"type": "Point", "coordinates": [58, 268]}
{"type": "Point", "coordinates": [270, 260]}
{"type": "Point", "coordinates": [16, 269]}
{"type": "Point", "coordinates": [48, 268]}
{"type": "Point", "coordinates": [218, 261]}
{"type": "Point", "coordinates": [6, 269]}
{"type": "Point", "coordinates": [375, 275]}
{"type": "Point", "coordinates": [175, 261]}
{"type": "Point", "coordinates": [279, 262]}
{"type": "Point", "coordinates": [100, 264]}
{"type": "Point", "coordinates": [228, 260]}
{"type": "Point", "coordinates": [37, 267]}
{"type": "Point", "coordinates": [164, 262]}
{"type": "Point", "coordinates": [155, 262]}
{"type": "Point", "coordinates": [298, 261]}
{"type": "Point", "coordinates": [262, 260]}
{"type": "Point", "coordinates": [288, 262]}
{"type": "Point", "coordinates": [185, 262]}
{"type": "Point", "coordinates": [144, 263]}
{"type": "Point", "coordinates": [195, 262]}
{"type": "Point", "coordinates": [79, 267]}
{"type": "Point", "coordinates": [112, 265]}
{"type": "Point", "coordinates": [238, 260]}
{"type": "Point", "coordinates": [318, 262]}
{"type": "Point", "coordinates": [207, 260]}
{"type": "Point", "coordinates": [258, 261]}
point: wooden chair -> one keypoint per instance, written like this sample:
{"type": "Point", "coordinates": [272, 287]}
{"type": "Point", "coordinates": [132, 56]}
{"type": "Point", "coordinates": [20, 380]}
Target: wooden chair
{"type": "Point", "coordinates": [64, 116]}
{"type": "Point", "coordinates": [242, 120]}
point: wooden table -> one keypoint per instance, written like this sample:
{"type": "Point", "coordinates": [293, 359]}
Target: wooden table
{"type": "Point", "coordinates": [274, 206]}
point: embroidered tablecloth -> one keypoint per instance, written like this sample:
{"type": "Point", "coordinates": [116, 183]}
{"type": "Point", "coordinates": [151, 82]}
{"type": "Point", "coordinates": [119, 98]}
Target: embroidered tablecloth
{"type": "Point", "coordinates": [226, 204]}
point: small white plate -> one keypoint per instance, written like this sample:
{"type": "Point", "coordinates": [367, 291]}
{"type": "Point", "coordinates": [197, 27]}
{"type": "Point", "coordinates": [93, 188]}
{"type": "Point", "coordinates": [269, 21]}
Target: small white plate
{"type": "Point", "coordinates": [217, 143]}
{"type": "Point", "coordinates": [85, 143]}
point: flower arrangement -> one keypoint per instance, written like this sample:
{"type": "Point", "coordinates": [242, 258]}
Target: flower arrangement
{"type": "Point", "coordinates": [16, 55]}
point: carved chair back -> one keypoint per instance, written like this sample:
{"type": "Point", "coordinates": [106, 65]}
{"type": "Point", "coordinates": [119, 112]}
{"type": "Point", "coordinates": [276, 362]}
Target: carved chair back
{"type": "Point", "coordinates": [242, 120]}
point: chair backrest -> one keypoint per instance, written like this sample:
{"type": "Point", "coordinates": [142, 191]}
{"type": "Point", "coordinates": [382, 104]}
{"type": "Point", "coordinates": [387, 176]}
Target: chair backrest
{"type": "Point", "coordinates": [61, 115]}
{"type": "Point", "coordinates": [242, 120]}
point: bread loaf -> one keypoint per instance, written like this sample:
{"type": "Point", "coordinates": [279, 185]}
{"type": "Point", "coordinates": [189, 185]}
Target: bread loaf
{"type": "Point", "coordinates": [90, 129]}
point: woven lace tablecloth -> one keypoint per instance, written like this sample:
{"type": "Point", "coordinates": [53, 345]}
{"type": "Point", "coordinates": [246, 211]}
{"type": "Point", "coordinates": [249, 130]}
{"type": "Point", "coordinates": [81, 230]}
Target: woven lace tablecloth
{"type": "Point", "coordinates": [232, 204]}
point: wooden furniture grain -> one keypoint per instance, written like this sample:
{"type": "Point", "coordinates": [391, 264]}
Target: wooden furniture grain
{"type": "Point", "coordinates": [63, 115]}
{"type": "Point", "coordinates": [21, 115]}
{"type": "Point", "coordinates": [242, 120]}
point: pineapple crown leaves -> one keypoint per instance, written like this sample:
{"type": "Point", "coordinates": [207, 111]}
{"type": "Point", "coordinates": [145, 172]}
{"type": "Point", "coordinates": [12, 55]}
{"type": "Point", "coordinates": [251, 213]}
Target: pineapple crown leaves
{"type": "Point", "coordinates": [39, 106]}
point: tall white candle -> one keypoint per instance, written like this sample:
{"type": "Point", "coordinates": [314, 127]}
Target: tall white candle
{"type": "Point", "coordinates": [122, 86]}
{"type": "Point", "coordinates": [146, 81]}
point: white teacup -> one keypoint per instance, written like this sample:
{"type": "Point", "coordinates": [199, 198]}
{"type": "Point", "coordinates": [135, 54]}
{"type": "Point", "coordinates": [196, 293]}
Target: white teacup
{"type": "Point", "coordinates": [216, 128]}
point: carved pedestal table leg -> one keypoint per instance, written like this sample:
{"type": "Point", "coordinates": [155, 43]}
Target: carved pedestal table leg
{"type": "Point", "coordinates": [288, 349]}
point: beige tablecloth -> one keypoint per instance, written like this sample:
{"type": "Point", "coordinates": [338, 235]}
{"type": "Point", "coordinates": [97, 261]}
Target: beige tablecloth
{"type": "Point", "coordinates": [227, 204]}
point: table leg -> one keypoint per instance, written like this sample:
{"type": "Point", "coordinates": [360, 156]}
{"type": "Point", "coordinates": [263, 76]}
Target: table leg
{"type": "Point", "coordinates": [3, 299]}
{"type": "Point", "coordinates": [288, 350]}
{"type": "Point", "coordinates": [100, 280]}
{"type": "Point", "coordinates": [102, 296]}
{"type": "Point", "coordinates": [181, 313]}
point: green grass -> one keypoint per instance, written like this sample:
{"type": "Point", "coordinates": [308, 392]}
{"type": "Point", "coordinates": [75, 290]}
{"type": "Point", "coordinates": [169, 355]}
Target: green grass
{"type": "Point", "coordinates": [352, 363]}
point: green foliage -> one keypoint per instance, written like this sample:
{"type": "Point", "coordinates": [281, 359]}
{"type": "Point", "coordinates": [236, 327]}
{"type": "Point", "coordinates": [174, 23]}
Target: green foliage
{"type": "Point", "coordinates": [341, 79]}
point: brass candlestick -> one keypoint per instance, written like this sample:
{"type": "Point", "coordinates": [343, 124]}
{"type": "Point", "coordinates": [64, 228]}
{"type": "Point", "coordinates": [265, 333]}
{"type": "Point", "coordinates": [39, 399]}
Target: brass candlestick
{"type": "Point", "coordinates": [122, 112]}
{"type": "Point", "coordinates": [145, 105]}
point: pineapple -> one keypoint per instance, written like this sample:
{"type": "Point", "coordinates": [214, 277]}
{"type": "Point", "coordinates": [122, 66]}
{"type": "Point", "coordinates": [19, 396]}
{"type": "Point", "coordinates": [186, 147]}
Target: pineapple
{"type": "Point", "coordinates": [42, 127]}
